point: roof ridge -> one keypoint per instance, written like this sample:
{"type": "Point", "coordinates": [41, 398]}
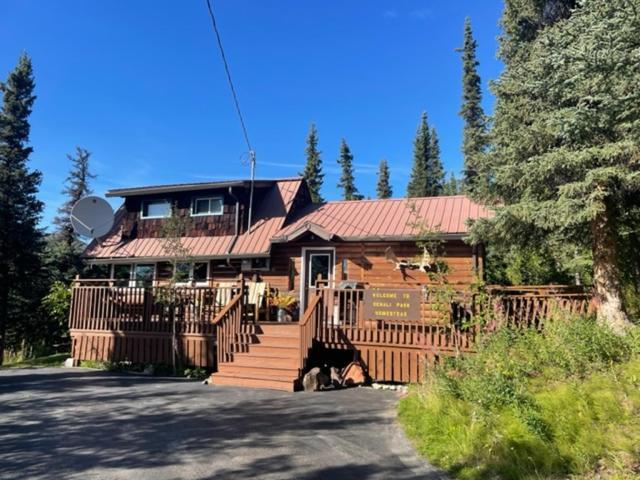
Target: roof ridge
{"type": "Point", "coordinates": [393, 199]}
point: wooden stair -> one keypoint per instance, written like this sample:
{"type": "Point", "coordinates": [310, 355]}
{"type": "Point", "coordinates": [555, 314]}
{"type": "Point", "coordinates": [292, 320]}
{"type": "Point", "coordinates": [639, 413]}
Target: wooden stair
{"type": "Point", "coordinates": [271, 359]}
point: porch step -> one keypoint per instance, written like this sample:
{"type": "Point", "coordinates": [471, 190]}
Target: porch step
{"type": "Point", "coordinates": [271, 359]}
{"type": "Point", "coordinates": [278, 329]}
{"type": "Point", "coordinates": [278, 341]}
{"type": "Point", "coordinates": [274, 351]}
{"type": "Point", "coordinates": [254, 360]}
{"type": "Point", "coordinates": [242, 370]}
{"type": "Point", "coordinates": [255, 381]}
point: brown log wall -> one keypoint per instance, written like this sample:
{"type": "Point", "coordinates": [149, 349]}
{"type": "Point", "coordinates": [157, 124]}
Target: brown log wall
{"type": "Point", "coordinates": [366, 263]}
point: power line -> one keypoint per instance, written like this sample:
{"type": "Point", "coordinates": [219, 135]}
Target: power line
{"type": "Point", "coordinates": [252, 154]}
{"type": "Point", "coordinates": [226, 68]}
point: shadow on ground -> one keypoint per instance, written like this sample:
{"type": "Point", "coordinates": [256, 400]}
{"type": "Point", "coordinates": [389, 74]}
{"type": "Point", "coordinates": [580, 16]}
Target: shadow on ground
{"type": "Point", "coordinates": [57, 423]}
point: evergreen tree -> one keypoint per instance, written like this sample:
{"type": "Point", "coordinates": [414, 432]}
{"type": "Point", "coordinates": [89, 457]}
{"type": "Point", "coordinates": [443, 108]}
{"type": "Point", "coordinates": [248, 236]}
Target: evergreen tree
{"type": "Point", "coordinates": [435, 171]}
{"type": "Point", "coordinates": [451, 186]}
{"type": "Point", "coordinates": [20, 239]}
{"type": "Point", "coordinates": [418, 181]}
{"type": "Point", "coordinates": [313, 168]}
{"type": "Point", "coordinates": [64, 251]}
{"type": "Point", "coordinates": [522, 20]}
{"type": "Point", "coordinates": [474, 137]}
{"type": "Point", "coordinates": [347, 180]}
{"type": "Point", "coordinates": [566, 137]}
{"type": "Point", "coordinates": [383, 188]}
{"type": "Point", "coordinates": [76, 187]}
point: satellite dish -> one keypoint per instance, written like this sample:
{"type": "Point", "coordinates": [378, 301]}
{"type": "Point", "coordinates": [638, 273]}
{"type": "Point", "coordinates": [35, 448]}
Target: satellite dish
{"type": "Point", "coordinates": [92, 217]}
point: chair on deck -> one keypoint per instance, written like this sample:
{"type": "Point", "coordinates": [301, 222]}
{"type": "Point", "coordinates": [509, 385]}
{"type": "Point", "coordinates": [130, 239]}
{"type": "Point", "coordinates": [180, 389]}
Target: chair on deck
{"type": "Point", "coordinates": [224, 294]}
{"type": "Point", "coordinates": [255, 297]}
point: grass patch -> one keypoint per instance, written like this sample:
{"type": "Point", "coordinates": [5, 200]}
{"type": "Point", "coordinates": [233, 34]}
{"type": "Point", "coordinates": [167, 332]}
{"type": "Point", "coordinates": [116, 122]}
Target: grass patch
{"type": "Point", "coordinates": [563, 404]}
{"type": "Point", "coordinates": [55, 360]}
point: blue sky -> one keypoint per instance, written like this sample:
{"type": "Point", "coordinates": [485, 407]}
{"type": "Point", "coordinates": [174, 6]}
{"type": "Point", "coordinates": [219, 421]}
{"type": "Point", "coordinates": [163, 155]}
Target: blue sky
{"type": "Point", "coordinates": [141, 85]}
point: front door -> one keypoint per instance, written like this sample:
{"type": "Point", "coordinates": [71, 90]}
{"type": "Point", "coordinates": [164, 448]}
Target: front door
{"type": "Point", "coordinates": [318, 272]}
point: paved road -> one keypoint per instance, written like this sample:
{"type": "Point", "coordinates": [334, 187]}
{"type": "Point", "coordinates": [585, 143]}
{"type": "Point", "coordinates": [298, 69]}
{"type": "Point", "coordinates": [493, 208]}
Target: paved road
{"type": "Point", "coordinates": [78, 423]}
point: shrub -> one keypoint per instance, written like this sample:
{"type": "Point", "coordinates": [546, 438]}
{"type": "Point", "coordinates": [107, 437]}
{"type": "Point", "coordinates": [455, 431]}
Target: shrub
{"type": "Point", "coordinates": [532, 405]}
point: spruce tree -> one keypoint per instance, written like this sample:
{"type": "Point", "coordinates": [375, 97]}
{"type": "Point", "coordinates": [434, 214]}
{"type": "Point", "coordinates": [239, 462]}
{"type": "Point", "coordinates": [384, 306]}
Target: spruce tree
{"type": "Point", "coordinates": [522, 20]}
{"type": "Point", "coordinates": [21, 240]}
{"type": "Point", "coordinates": [383, 188]}
{"type": "Point", "coordinates": [435, 171]}
{"type": "Point", "coordinates": [418, 181]}
{"type": "Point", "coordinates": [313, 168]}
{"type": "Point", "coordinates": [347, 180]}
{"type": "Point", "coordinates": [474, 136]}
{"type": "Point", "coordinates": [76, 187]}
{"type": "Point", "coordinates": [451, 185]}
{"type": "Point", "coordinates": [566, 137]}
{"type": "Point", "coordinates": [64, 250]}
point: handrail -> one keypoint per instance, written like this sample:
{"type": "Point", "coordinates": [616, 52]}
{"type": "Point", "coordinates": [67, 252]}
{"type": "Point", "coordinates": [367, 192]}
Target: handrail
{"type": "Point", "coordinates": [226, 308]}
{"type": "Point", "coordinates": [308, 326]}
{"type": "Point", "coordinates": [308, 313]}
{"type": "Point", "coordinates": [228, 326]}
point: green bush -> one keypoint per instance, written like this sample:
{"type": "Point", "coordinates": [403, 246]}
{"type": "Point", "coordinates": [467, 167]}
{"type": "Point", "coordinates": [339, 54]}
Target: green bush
{"type": "Point", "coordinates": [532, 405]}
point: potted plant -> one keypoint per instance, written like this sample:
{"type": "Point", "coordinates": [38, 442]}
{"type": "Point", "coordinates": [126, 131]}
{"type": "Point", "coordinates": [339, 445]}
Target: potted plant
{"type": "Point", "coordinates": [284, 303]}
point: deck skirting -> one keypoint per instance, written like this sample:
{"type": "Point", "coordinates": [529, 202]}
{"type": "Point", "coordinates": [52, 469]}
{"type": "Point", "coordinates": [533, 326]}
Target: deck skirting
{"type": "Point", "coordinates": [142, 347]}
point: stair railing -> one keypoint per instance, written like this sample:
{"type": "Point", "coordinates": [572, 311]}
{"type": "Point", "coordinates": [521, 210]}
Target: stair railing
{"type": "Point", "coordinates": [228, 328]}
{"type": "Point", "coordinates": [308, 326]}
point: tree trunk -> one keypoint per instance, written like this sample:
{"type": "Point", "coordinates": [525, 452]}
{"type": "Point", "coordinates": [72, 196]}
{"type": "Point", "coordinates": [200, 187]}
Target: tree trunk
{"type": "Point", "coordinates": [606, 280]}
{"type": "Point", "coordinates": [4, 312]}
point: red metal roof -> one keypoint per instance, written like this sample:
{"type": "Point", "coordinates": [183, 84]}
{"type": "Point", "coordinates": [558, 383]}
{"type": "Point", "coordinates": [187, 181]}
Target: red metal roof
{"type": "Point", "coordinates": [269, 218]}
{"type": "Point", "coordinates": [399, 218]}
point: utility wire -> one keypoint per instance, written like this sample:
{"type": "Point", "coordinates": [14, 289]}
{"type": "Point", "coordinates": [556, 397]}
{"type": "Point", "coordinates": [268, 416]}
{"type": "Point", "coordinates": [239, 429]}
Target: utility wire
{"type": "Point", "coordinates": [226, 68]}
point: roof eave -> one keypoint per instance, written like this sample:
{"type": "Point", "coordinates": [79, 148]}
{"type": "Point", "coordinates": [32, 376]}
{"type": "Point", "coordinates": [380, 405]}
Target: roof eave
{"type": "Point", "coordinates": [101, 260]}
{"type": "Point", "coordinates": [187, 187]}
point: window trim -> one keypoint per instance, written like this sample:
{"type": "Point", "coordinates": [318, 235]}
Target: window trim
{"type": "Point", "coordinates": [150, 217]}
{"type": "Point", "coordinates": [209, 213]}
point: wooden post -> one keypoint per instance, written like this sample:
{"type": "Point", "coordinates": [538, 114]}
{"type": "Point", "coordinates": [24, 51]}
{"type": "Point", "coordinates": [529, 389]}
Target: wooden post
{"type": "Point", "coordinates": [244, 299]}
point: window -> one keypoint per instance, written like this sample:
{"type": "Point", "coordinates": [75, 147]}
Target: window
{"type": "Point", "coordinates": [164, 270]}
{"type": "Point", "coordinates": [292, 274]}
{"type": "Point", "coordinates": [183, 272]}
{"type": "Point", "coordinates": [122, 272]}
{"type": "Point", "coordinates": [252, 264]}
{"type": "Point", "coordinates": [319, 267]}
{"type": "Point", "coordinates": [192, 272]}
{"type": "Point", "coordinates": [200, 272]}
{"type": "Point", "coordinates": [207, 206]}
{"type": "Point", "coordinates": [156, 209]}
{"type": "Point", "coordinates": [143, 275]}
{"type": "Point", "coordinates": [98, 271]}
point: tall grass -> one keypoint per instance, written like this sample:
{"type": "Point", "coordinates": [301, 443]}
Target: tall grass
{"type": "Point", "coordinates": [528, 405]}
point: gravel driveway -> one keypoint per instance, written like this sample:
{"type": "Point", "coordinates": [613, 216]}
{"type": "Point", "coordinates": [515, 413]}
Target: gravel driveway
{"type": "Point", "coordinates": [79, 423]}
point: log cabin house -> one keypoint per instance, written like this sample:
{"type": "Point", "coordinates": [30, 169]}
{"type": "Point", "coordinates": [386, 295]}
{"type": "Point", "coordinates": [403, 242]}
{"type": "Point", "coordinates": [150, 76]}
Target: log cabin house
{"type": "Point", "coordinates": [353, 268]}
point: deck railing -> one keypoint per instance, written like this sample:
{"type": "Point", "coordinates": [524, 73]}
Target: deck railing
{"type": "Point", "coordinates": [448, 321]}
{"type": "Point", "coordinates": [532, 306]}
{"type": "Point", "coordinates": [228, 324]}
{"type": "Point", "coordinates": [308, 328]}
{"type": "Point", "coordinates": [148, 309]}
{"type": "Point", "coordinates": [342, 321]}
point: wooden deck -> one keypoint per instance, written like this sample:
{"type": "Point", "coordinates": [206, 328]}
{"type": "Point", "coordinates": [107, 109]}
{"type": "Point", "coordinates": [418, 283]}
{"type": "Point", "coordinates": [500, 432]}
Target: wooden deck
{"type": "Point", "coordinates": [210, 327]}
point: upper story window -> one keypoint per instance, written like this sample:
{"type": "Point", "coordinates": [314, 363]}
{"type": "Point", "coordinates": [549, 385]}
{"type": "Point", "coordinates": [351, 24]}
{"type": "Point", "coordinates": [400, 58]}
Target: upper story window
{"type": "Point", "coordinates": [207, 206]}
{"type": "Point", "coordinates": [155, 209]}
